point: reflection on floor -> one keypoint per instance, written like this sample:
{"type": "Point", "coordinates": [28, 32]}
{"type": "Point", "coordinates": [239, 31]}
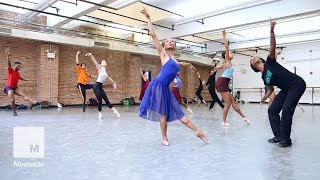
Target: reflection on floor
{"type": "Point", "coordinates": [80, 146]}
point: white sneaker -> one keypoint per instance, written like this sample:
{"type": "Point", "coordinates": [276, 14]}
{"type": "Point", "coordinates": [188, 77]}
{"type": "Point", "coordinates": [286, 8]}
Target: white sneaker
{"type": "Point", "coordinates": [100, 115]}
{"type": "Point", "coordinates": [189, 110]}
{"type": "Point", "coordinates": [246, 120]}
{"type": "Point", "coordinates": [225, 124]}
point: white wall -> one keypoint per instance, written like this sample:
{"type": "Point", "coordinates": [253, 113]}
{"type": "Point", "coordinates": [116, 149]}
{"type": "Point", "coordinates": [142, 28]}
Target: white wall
{"type": "Point", "coordinates": [298, 55]}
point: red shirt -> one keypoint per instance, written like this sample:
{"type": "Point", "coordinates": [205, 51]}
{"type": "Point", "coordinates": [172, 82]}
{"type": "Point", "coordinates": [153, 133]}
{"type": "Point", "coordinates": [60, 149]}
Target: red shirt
{"type": "Point", "coordinates": [13, 78]}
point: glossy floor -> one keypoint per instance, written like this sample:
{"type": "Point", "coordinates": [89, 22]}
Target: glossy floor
{"type": "Point", "coordinates": [80, 146]}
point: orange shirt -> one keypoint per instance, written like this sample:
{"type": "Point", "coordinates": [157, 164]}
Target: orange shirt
{"type": "Point", "coordinates": [82, 75]}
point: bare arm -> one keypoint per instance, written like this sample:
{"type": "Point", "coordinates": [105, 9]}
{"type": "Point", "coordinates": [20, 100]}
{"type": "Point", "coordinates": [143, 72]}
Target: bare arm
{"type": "Point", "coordinates": [142, 75]}
{"type": "Point", "coordinates": [152, 33]}
{"type": "Point", "coordinates": [77, 57]}
{"type": "Point", "coordinates": [272, 51]}
{"type": "Point", "coordinates": [198, 74]}
{"type": "Point", "coordinates": [217, 68]}
{"type": "Point", "coordinates": [114, 83]}
{"type": "Point", "coordinates": [7, 51]}
{"type": "Point", "coordinates": [24, 79]}
{"type": "Point", "coordinates": [141, 72]}
{"type": "Point", "coordinates": [269, 92]}
{"type": "Point", "coordinates": [93, 60]}
{"type": "Point", "coordinates": [111, 80]}
{"type": "Point", "coordinates": [226, 46]}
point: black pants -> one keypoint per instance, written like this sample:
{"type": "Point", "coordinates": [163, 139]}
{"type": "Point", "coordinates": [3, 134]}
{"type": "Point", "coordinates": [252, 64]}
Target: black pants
{"type": "Point", "coordinates": [82, 88]}
{"type": "Point", "coordinates": [286, 100]}
{"type": "Point", "coordinates": [215, 99]}
{"type": "Point", "coordinates": [100, 94]}
{"type": "Point", "coordinates": [198, 93]}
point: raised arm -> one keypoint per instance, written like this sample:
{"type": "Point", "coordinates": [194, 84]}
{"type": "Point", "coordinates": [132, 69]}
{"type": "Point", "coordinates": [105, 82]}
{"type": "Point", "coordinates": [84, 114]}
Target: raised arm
{"type": "Point", "coordinates": [273, 44]}
{"type": "Point", "coordinates": [226, 46]}
{"type": "Point", "coordinates": [93, 60]}
{"type": "Point", "coordinates": [7, 51]}
{"type": "Point", "coordinates": [77, 57]}
{"type": "Point", "coordinates": [198, 74]}
{"type": "Point", "coordinates": [141, 72]}
{"type": "Point", "coordinates": [155, 39]}
{"type": "Point", "coordinates": [217, 68]}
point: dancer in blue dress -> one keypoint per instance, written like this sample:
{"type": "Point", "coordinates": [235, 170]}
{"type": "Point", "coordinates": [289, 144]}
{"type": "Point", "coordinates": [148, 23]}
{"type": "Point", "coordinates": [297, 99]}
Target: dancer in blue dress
{"type": "Point", "coordinates": [158, 103]}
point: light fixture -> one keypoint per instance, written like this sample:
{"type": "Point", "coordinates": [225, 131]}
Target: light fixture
{"type": "Point", "coordinates": [124, 4]}
{"type": "Point", "coordinates": [259, 3]}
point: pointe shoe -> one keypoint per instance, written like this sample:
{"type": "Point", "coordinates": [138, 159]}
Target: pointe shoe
{"type": "Point", "coordinates": [246, 120]}
{"type": "Point", "coordinates": [100, 115]}
{"type": "Point", "coordinates": [116, 112]}
{"type": "Point", "coordinates": [225, 124]}
{"type": "Point", "coordinates": [203, 137]}
{"type": "Point", "coordinates": [165, 142]}
{"type": "Point", "coordinates": [189, 110]}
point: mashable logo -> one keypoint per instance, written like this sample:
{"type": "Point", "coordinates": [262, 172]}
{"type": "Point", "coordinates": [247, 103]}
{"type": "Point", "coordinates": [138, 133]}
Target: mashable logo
{"type": "Point", "coordinates": [28, 142]}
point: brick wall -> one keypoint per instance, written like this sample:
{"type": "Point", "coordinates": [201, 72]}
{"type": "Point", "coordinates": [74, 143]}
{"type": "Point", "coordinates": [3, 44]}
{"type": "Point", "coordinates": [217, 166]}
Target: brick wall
{"type": "Point", "coordinates": [55, 80]}
{"type": "Point", "coordinates": [48, 73]}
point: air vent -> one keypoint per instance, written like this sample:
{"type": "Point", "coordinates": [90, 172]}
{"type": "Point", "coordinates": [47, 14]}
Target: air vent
{"type": "Point", "coordinates": [5, 31]}
{"type": "Point", "coordinates": [102, 44]}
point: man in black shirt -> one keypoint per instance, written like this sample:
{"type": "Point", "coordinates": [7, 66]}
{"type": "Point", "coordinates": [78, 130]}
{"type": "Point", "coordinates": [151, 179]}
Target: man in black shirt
{"type": "Point", "coordinates": [292, 88]}
{"type": "Point", "coordinates": [212, 90]}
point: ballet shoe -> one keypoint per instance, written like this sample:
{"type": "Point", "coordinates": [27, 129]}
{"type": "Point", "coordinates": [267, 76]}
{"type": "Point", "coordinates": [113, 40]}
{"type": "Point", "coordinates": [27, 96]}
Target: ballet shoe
{"type": "Point", "coordinates": [165, 142]}
{"type": "Point", "coordinates": [246, 120]}
{"type": "Point", "coordinates": [203, 137]}
{"type": "Point", "coordinates": [225, 124]}
{"type": "Point", "coordinates": [189, 110]}
{"type": "Point", "coordinates": [116, 112]}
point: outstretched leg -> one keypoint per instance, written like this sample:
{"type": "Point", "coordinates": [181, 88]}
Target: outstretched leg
{"type": "Point", "coordinates": [235, 106]}
{"type": "Point", "coordinates": [105, 97]}
{"type": "Point", "coordinates": [19, 92]}
{"type": "Point", "coordinates": [187, 122]}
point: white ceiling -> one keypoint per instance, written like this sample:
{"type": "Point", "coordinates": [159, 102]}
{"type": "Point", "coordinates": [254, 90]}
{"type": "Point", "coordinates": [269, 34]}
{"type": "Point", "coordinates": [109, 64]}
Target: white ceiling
{"type": "Point", "coordinates": [246, 21]}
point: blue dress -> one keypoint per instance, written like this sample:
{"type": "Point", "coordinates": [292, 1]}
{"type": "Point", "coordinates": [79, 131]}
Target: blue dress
{"type": "Point", "coordinates": [158, 99]}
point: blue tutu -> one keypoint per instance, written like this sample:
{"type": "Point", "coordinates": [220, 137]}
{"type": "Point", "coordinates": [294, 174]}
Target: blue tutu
{"type": "Point", "coordinates": [158, 99]}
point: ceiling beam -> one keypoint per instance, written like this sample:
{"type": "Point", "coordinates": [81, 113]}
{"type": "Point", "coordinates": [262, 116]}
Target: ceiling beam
{"type": "Point", "coordinates": [238, 19]}
{"type": "Point", "coordinates": [43, 5]}
{"type": "Point", "coordinates": [75, 11]}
